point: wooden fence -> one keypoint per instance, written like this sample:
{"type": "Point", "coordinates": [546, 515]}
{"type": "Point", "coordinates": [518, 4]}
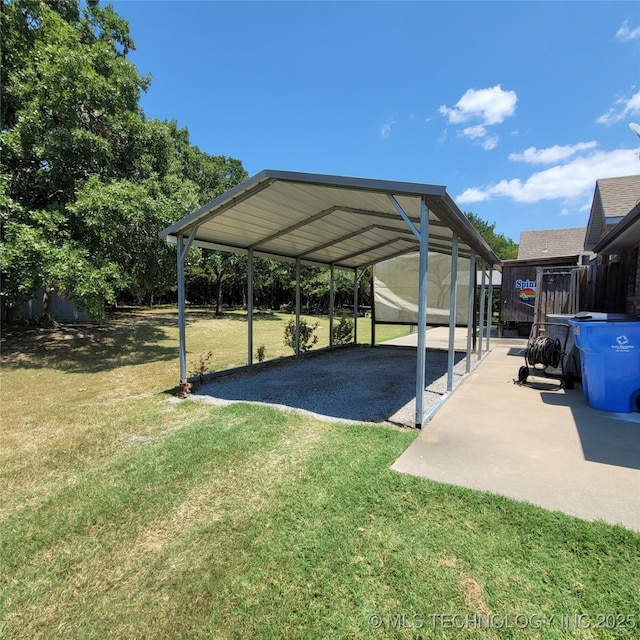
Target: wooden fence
{"type": "Point", "coordinates": [606, 287]}
{"type": "Point", "coordinates": [561, 290]}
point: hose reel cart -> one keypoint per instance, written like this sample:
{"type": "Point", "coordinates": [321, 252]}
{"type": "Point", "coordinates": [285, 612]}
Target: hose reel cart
{"type": "Point", "coordinates": [546, 353]}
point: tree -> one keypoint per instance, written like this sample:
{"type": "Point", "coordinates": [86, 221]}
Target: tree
{"type": "Point", "coordinates": [86, 180]}
{"type": "Point", "coordinates": [503, 247]}
{"type": "Point", "coordinates": [211, 269]}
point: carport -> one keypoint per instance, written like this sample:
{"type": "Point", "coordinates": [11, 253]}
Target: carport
{"type": "Point", "coordinates": [338, 222]}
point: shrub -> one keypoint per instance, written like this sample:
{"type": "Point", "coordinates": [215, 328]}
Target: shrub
{"type": "Point", "coordinates": [307, 337]}
{"type": "Point", "coordinates": [203, 366]}
{"type": "Point", "coordinates": [261, 353]}
{"type": "Point", "coordinates": [343, 330]}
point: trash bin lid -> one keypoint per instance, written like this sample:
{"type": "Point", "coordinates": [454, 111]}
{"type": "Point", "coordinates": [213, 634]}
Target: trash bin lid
{"type": "Point", "coordinates": [597, 316]}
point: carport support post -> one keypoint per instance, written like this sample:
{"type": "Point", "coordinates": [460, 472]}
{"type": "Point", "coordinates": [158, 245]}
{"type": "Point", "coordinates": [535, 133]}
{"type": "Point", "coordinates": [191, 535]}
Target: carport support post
{"type": "Point", "coordinates": [423, 238]}
{"type": "Point", "coordinates": [297, 342]}
{"type": "Point", "coordinates": [422, 312]}
{"type": "Point", "coordinates": [489, 307]}
{"type": "Point", "coordinates": [470, 315]}
{"type": "Point", "coordinates": [355, 306]}
{"type": "Point", "coordinates": [331, 303]}
{"type": "Point", "coordinates": [481, 315]}
{"type": "Point", "coordinates": [182, 334]}
{"type": "Point", "coordinates": [250, 308]}
{"type": "Point", "coordinates": [453, 299]}
{"type": "Point", "coordinates": [373, 308]}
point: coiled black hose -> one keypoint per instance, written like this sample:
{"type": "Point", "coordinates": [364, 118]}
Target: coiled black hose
{"type": "Point", "coordinates": [544, 351]}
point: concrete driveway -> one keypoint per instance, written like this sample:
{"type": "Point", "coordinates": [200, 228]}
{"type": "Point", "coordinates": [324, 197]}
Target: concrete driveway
{"type": "Point", "coordinates": [532, 443]}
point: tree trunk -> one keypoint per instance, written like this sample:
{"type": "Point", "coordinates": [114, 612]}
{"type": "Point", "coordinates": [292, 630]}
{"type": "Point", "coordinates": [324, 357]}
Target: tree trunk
{"type": "Point", "coordinates": [46, 302]}
{"type": "Point", "coordinates": [219, 297]}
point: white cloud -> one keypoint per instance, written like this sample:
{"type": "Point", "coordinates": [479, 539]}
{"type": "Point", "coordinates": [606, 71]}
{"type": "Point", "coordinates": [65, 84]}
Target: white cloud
{"type": "Point", "coordinates": [490, 106]}
{"type": "Point", "coordinates": [551, 154]}
{"type": "Point", "coordinates": [478, 131]}
{"type": "Point", "coordinates": [490, 142]}
{"type": "Point", "coordinates": [625, 33]}
{"type": "Point", "coordinates": [623, 108]}
{"type": "Point", "coordinates": [473, 195]}
{"type": "Point", "coordinates": [570, 182]}
{"type": "Point", "coordinates": [484, 106]}
{"type": "Point", "coordinates": [385, 129]}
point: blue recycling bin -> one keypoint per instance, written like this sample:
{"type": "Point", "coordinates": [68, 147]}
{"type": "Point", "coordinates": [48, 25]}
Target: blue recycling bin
{"type": "Point", "coordinates": [609, 346]}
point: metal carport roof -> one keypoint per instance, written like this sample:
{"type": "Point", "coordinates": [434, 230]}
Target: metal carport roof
{"type": "Point", "coordinates": [339, 222]}
{"type": "Point", "coordinates": [324, 220]}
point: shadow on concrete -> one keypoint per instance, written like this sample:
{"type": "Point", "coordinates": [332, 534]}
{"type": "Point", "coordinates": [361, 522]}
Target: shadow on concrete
{"type": "Point", "coordinates": [361, 383]}
{"type": "Point", "coordinates": [608, 438]}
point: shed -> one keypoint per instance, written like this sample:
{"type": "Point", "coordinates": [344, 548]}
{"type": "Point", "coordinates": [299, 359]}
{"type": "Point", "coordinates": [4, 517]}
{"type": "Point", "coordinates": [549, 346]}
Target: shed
{"type": "Point", "coordinates": [332, 221]}
{"type": "Point", "coordinates": [526, 296]}
{"type": "Point", "coordinates": [60, 307]}
{"type": "Point", "coordinates": [544, 279]}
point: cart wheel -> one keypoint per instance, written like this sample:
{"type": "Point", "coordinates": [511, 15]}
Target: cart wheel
{"type": "Point", "coordinates": [569, 380]}
{"type": "Point", "coordinates": [523, 374]}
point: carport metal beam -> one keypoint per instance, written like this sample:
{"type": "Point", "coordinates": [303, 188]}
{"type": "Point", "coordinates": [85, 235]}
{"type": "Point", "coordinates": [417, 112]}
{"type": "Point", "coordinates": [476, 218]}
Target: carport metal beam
{"type": "Point", "coordinates": [294, 227]}
{"type": "Point", "coordinates": [423, 238]}
{"type": "Point", "coordinates": [182, 334]}
{"type": "Point", "coordinates": [193, 220]}
{"type": "Point", "coordinates": [338, 240]}
{"type": "Point", "coordinates": [489, 307]}
{"type": "Point", "coordinates": [453, 302]}
{"type": "Point", "coordinates": [250, 308]}
{"type": "Point", "coordinates": [297, 340]}
{"type": "Point", "coordinates": [481, 319]}
{"type": "Point", "coordinates": [470, 314]}
{"type": "Point", "coordinates": [380, 245]}
{"type": "Point", "coordinates": [331, 304]}
{"type": "Point", "coordinates": [355, 306]}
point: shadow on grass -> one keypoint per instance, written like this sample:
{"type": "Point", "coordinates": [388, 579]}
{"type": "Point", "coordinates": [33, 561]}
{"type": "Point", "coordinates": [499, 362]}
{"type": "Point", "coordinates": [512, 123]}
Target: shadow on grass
{"type": "Point", "coordinates": [169, 315]}
{"type": "Point", "coordinates": [86, 348]}
{"type": "Point", "coordinates": [257, 315]}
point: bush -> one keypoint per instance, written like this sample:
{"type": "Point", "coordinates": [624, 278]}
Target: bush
{"type": "Point", "coordinates": [203, 366]}
{"type": "Point", "coordinates": [261, 353]}
{"type": "Point", "coordinates": [307, 337]}
{"type": "Point", "coordinates": [343, 330]}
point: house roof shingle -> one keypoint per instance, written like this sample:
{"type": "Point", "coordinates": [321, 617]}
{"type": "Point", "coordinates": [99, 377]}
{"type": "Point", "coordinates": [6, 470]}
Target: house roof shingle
{"type": "Point", "coordinates": [613, 199]}
{"type": "Point", "coordinates": [619, 195]}
{"type": "Point", "coordinates": [551, 243]}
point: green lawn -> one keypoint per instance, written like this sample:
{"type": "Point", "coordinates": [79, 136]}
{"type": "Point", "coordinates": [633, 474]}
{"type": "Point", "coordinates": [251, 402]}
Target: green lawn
{"type": "Point", "coordinates": [126, 514]}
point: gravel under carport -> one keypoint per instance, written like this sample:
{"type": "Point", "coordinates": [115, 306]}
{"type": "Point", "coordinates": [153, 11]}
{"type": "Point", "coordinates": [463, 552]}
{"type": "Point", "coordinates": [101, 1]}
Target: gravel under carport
{"type": "Point", "coordinates": [360, 384]}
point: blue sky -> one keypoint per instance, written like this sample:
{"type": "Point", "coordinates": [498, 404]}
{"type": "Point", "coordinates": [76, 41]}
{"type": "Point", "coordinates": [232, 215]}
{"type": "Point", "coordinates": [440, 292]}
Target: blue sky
{"type": "Point", "coordinates": [516, 107]}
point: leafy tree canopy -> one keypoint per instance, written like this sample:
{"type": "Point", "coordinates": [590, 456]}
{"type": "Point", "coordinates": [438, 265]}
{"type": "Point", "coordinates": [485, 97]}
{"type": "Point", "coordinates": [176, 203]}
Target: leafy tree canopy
{"type": "Point", "coordinates": [503, 247]}
{"type": "Point", "coordinates": [86, 179]}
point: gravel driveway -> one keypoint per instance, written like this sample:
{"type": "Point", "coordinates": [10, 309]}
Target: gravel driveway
{"type": "Point", "coordinates": [354, 384]}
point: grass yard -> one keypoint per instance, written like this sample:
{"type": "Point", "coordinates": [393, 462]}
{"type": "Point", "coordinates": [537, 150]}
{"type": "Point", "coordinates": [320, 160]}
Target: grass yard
{"type": "Point", "coordinates": [127, 514]}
